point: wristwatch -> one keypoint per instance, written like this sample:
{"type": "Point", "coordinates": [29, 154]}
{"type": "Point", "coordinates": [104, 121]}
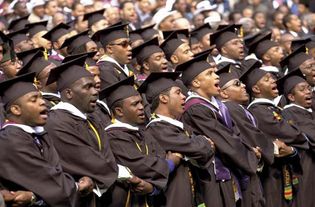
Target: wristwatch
{"type": "Point", "coordinates": [33, 199]}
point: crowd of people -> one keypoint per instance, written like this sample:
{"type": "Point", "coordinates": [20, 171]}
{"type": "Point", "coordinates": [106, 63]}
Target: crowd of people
{"type": "Point", "coordinates": [157, 103]}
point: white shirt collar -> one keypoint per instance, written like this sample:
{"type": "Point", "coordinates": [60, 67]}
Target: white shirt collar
{"type": "Point", "coordinates": [298, 106]}
{"type": "Point", "coordinates": [50, 94]}
{"type": "Point", "coordinates": [70, 108]}
{"type": "Point", "coordinates": [294, 33]}
{"type": "Point", "coordinates": [104, 105]}
{"type": "Point", "coordinates": [213, 100]}
{"type": "Point", "coordinates": [168, 120]}
{"type": "Point", "coordinates": [119, 124]}
{"type": "Point", "coordinates": [270, 68]}
{"type": "Point", "coordinates": [225, 59]}
{"type": "Point", "coordinates": [28, 129]}
{"type": "Point", "coordinates": [112, 60]}
{"type": "Point", "coordinates": [261, 100]}
{"type": "Point", "coordinates": [252, 56]}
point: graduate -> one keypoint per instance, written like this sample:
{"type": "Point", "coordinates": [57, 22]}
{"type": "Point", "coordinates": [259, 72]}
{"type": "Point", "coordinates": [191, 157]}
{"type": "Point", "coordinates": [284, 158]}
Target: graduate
{"type": "Point", "coordinates": [299, 93]}
{"type": "Point", "coordinates": [20, 40]}
{"type": "Point", "coordinates": [134, 148]}
{"type": "Point", "coordinates": [96, 20]}
{"type": "Point", "coordinates": [202, 35]}
{"type": "Point", "coordinates": [35, 32]}
{"type": "Point", "coordinates": [234, 162]}
{"type": "Point", "coordinates": [116, 43]}
{"type": "Point", "coordinates": [167, 102]}
{"type": "Point", "coordinates": [78, 138]}
{"type": "Point", "coordinates": [27, 152]}
{"type": "Point", "coordinates": [281, 180]}
{"type": "Point", "coordinates": [42, 67]}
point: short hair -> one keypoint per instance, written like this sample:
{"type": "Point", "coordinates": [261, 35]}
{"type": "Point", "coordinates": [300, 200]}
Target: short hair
{"type": "Point", "coordinates": [118, 103]}
{"type": "Point", "coordinates": [286, 19]}
{"type": "Point", "coordinates": [122, 4]}
{"type": "Point", "coordinates": [156, 101]}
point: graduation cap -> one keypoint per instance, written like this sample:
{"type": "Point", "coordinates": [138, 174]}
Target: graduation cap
{"type": "Point", "coordinates": [135, 35]}
{"type": "Point", "coordinates": [170, 44]}
{"type": "Point", "coordinates": [226, 73]}
{"type": "Point", "coordinates": [252, 74]}
{"type": "Point", "coordinates": [55, 33]}
{"type": "Point", "coordinates": [201, 31]}
{"type": "Point", "coordinates": [26, 55]}
{"type": "Point", "coordinates": [94, 17]}
{"type": "Point", "coordinates": [310, 45]}
{"type": "Point", "coordinates": [34, 28]}
{"type": "Point", "coordinates": [109, 34]}
{"type": "Point", "coordinates": [14, 88]}
{"type": "Point", "coordinates": [190, 69]}
{"type": "Point", "coordinates": [18, 24]}
{"type": "Point", "coordinates": [72, 57]}
{"type": "Point", "coordinates": [296, 43]}
{"type": "Point", "coordinates": [289, 81]}
{"type": "Point", "coordinates": [148, 32]}
{"type": "Point", "coordinates": [222, 36]}
{"type": "Point", "coordinates": [67, 73]}
{"type": "Point", "coordinates": [249, 39]}
{"type": "Point", "coordinates": [145, 50]}
{"type": "Point", "coordinates": [261, 45]}
{"type": "Point", "coordinates": [119, 91]}
{"type": "Point", "coordinates": [206, 52]}
{"type": "Point", "coordinates": [76, 41]}
{"type": "Point", "coordinates": [295, 59]}
{"type": "Point", "coordinates": [36, 64]}
{"type": "Point", "coordinates": [156, 83]}
{"type": "Point", "coordinates": [18, 36]}
{"type": "Point", "coordinates": [8, 48]}
{"type": "Point", "coordinates": [193, 39]}
{"type": "Point", "coordinates": [181, 33]}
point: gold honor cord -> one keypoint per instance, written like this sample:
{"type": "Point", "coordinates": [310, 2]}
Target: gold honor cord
{"type": "Point", "coordinates": [96, 134]}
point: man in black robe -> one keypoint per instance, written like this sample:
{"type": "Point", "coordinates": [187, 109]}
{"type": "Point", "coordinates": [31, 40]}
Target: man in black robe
{"type": "Point", "coordinates": [167, 102]}
{"type": "Point", "coordinates": [29, 160]}
{"type": "Point", "coordinates": [299, 93]}
{"type": "Point", "coordinates": [280, 181]}
{"type": "Point", "coordinates": [116, 43]}
{"type": "Point", "coordinates": [134, 148]}
{"type": "Point", "coordinates": [234, 161]}
{"type": "Point", "coordinates": [79, 138]}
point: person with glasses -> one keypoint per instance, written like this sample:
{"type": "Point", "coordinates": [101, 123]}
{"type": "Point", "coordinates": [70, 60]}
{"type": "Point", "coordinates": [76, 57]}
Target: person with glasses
{"type": "Point", "coordinates": [10, 67]}
{"type": "Point", "coordinates": [114, 64]}
{"type": "Point", "coordinates": [299, 93]}
{"type": "Point", "coordinates": [281, 179]}
{"type": "Point", "coordinates": [233, 162]}
{"type": "Point", "coordinates": [306, 63]}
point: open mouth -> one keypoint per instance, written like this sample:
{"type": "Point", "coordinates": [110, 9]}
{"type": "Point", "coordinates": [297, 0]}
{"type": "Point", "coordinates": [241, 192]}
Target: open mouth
{"type": "Point", "coordinates": [44, 114]}
{"type": "Point", "coordinates": [141, 116]}
{"type": "Point", "coordinates": [93, 102]}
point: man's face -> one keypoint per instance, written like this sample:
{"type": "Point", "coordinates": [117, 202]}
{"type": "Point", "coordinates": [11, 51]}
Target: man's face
{"type": "Point", "coordinates": [78, 10]}
{"type": "Point", "coordinates": [301, 95]}
{"type": "Point", "coordinates": [21, 9]}
{"type": "Point", "coordinates": [10, 68]}
{"type": "Point", "coordinates": [43, 76]}
{"type": "Point", "coordinates": [156, 62]}
{"type": "Point", "coordinates": [209, 82]}
{"type": "Point", "coordinates": [81, 25]}
{"type": "Point", "coordinates": [278, 21]}
{"type": "Point", "coordinates": [92, 47]}
{"type": "Point", "coordinates": [268, 87]}
{"type": "Point", "coordinates": [133, 110]}
{"type": "Point", "coordinates": [183, 54]}
{"type": "Point", "coordinates": [235, 90]}
{"type": "Point", "coordinates": [84, 94]}
{"type": "Point", "coordinates": [295, 24]}
{"type": "Point", "coordinates": [112, 15]}
{"type": "Point", "coordinates": [285, 42]}
{"type": "Point", "coordinates": [308, 69]}
{"type": "Point", "coordinates": [196, 48]}
{"type": "Point", "coordinates": [33, 110]}
{"type": "Point", "coordinates": [24, 45]}
{"type": "Point", "coordinates": [129, 13]}
{"type": "Point", "coordinates": [276, 55]}
{"type": "Point", "coordinates": [198, 20]}
{"type": "Point", "coordinates": [260, 20]}
{"type": "Point", "coordinates": [52, 8]}
{"type": "Point", "coordinates": [121, 50]}
{"type": "Point", "coordinates": [168, 23]}
{"type": "Point", "coordinates": [205, 42]}
{"type": "Point", "coordinates": [234, 49]}
{"type": "Point", "coordinates": [39, 11]}
{"type": "Point", "coordinates": [145, 6]}
{"type": "Point", "coordinates": [176, 101]}
{"type": "Point", "coordinates": [95, 71]}
{"type": "Point", "coordinates": [99, 25]}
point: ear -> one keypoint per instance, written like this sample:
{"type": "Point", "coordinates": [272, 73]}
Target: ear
{"type": "Point", "coordinates": [16, 110]}
{"type": "Point", "coordinates": [118, 111]}
{"type": "Point", "coordinates": [223, 94]}
{"type": "Point", "coordinates": [195, 83]}
{"type": "Point", "coordinates": [145, 66]}
{"type": "Point", "coordinates": [223, 50]}
{"type": "Point", "coordinates": [163, 98]}
{"type": "Point", "coordinates": [93, 28]}
{"type": "Point", "coordinates": [68, 93]}
{"type": "Point", "coordinates": [266, 57]}
{"type": "Point", "coordinates": [291, 97]}
{"type": "Point", "coordinates": [109, 49]}
{"type": "Point", "coordinates": [256, 89]}
{"type": "Point", "coordinates": [174, 59]}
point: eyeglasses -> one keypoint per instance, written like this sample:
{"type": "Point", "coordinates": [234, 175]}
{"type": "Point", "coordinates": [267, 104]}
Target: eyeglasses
{"type": "Point", "coordinates": [124, 44]}
{"type": "Point", "coordinates": [11, 62]}
{"type": "Point", "coordinates": [236, 83]}
{"type": "Point", "coordinates": [310, 67]}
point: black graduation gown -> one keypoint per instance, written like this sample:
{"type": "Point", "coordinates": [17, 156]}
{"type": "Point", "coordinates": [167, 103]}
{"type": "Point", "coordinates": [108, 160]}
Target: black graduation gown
{"type": "Point", "coordinates": [175, 139]}
{"type": "Point", "coordinates": [306, 122]}
{"type": "Point", "coordinates": [229, 147]}
{"type": "Point", "coordinates": [102, 115]}
{"type": "Point", "coordinates": [50, 100]}
{"type": "Point", "coordinates": [273, 124]}
{"type": "Point", "coordinates": [313, 102]}
{"type": "Point", "coordinates": [253, 196]}
{"type": "Point", "coordinates": [2, 117]}
{"type": "Point", "coordinates": [25, 167]}
{"type": "Point", "coordinates": [142, 155]}
{"type": "Point", "coordinates": [110, 73]}
{"type": "Point", "coordinates": [79, 150]}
